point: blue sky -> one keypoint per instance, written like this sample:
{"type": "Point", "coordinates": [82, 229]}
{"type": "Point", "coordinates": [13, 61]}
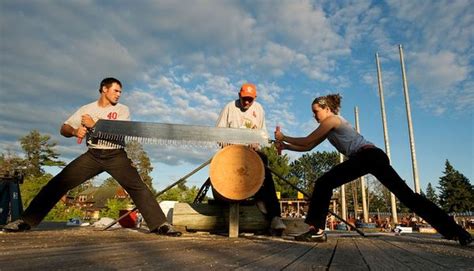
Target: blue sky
{"type": "Point", "coordinates": [182, 61]}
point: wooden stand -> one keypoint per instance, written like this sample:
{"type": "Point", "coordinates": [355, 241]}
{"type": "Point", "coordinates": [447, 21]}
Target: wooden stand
{"type": "Point", "coordinates": [232, 217]}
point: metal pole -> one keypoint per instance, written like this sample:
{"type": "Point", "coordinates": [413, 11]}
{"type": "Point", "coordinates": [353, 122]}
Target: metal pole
{"type": "Point", "coordinates": [385, 133]}
{"type": "Point", "coordinates": [343, 192]}
{"type": "Point", "coordinates": [361, 179]}
{"type": "Point", "coordinates": [410, 126]}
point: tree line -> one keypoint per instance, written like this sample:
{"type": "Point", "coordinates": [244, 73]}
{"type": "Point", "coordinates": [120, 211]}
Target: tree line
{"type": "Point", "coordinates": [455, 192]}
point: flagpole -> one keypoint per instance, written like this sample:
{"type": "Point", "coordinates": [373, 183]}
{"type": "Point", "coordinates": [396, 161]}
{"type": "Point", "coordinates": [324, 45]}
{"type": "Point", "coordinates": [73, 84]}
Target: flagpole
{"type": "Point", "coordinates": [385, 133]}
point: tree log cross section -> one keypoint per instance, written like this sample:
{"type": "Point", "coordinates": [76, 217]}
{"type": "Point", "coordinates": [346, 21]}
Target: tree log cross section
{"type": "Point", "coordinates": [236, 172]}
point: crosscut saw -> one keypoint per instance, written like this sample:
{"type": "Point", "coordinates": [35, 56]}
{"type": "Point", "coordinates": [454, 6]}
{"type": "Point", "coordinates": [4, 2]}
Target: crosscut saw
{"type": "Point", "coordinates": [175, 134]}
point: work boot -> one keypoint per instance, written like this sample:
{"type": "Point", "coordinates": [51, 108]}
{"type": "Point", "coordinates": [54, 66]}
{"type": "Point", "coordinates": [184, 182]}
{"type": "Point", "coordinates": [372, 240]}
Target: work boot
{"type": "Point", "coordinates": [312, 236]}
{"type": "Point", "coordinates": [167, 230]}
{"type": "Point", "coordinates": [16, 226]}
{"type": "Point", "coordinates": [277, 224]}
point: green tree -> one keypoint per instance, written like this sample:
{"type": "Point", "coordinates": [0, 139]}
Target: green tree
{"type": "Point", "coordinates": [109, 182]}
{"type": "Point", "coordinates": [309, 167]}
{"type": "Point", "coordinates": [280, 165]}
{"type": "Point", "coordinates": [10, 163]}
{"type": "Point", "coordinates": [62, 212]}
{"type": "Point", "coordinates": [379, 196]}
{"type": "Point", "coordinates": [141, 161]}
{"type": "Point", "coordinates": [39, 152]}
{"type": "Point", "coordinates": [456, 192]}
{"type": "Point", "coordinates": [113, 207]}
{"type": "Point", "coordinates": [31, 187]}
{"type": "Point", "coordinates": [80, 188]}
{"type": "Point", "coordinates": [180, 193]}
{"type": "Point", "coordinates": [431, 194]}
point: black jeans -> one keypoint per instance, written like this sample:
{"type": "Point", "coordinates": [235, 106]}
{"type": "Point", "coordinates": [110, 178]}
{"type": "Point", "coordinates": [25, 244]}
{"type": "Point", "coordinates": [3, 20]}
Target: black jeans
{"type": "Point", "coordinates": [375, 162]}
{"type": "Point", "coordinates": [86, 166]}
{"type": "Point", "coordinates": [266, 193]}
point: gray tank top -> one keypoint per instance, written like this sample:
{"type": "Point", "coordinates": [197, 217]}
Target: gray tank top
{"type": "Point", "coordinates": [346, 139]}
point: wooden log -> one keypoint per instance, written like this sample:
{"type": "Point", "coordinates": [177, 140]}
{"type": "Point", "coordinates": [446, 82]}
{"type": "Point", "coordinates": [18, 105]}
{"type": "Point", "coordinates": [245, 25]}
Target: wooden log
{"type": "Point", "coordinates": [205, 217]}
{"type": "Point", "coordinates": [236, 172]}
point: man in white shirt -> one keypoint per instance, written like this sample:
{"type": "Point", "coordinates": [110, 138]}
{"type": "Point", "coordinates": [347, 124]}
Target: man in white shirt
{"type": "Point", "coordinates": [102, 155]}
{"type": "Point", "coordinates": [247, 113]}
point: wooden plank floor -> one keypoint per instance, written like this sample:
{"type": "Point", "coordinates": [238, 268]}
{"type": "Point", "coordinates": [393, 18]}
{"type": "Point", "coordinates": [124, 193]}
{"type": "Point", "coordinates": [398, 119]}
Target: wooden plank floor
{"type": "Point", "coordinates": [50, 247]}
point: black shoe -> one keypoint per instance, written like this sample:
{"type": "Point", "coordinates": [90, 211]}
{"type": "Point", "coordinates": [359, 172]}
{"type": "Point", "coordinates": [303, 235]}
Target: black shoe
{"type": "Point", "coordinates": [312, 236]}
{"type": "Point", "coordinates": [464, 238]}
{"type": "Point", "coordinates": [16, 226]}
{"type": "Point", "coordinates": [167, 230]}
{"type": "Point", "coordinates": [461, 235]}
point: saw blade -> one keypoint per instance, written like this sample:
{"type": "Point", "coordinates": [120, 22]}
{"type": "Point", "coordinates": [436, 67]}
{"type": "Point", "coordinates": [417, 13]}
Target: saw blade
{"type": "Point", "coordinates": [175, 134]}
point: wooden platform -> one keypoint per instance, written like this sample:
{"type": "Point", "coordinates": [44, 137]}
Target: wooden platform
{"type": "Point", "coordinates": [55, 246]}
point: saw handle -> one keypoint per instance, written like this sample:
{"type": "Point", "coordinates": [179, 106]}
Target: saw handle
{"type": "Point", "coordinates": [79, 139]}
{"type": "Point", "coordinates": [279, 149]}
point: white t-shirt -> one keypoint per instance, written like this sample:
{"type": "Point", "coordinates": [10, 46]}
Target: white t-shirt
{"type": "Point", "coordinates": [111, 112]}
{"type": "Point", "coordinates": [232, 117]}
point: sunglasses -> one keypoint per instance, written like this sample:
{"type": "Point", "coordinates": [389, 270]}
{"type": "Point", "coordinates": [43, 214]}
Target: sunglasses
{"type": "Point", "coordinates": [247, 99]}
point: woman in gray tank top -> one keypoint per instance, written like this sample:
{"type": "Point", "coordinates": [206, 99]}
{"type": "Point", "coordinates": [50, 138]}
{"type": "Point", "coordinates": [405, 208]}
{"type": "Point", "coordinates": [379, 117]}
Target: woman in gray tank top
{"type": "Point", "coordinates": [364, 158]}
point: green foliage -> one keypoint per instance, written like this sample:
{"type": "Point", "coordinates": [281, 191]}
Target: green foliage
{"type": "Point", "coordinates": [456, 192]}
{"type": "Point", "coordinates": [354, 195]}
{"type": "Point", "coordinates": [61, 212]}
{"type": "Point", "coordinates": [31, 187]}
{"type": "Point", "coordinates": [141, 161]}
{"type": "Point", "coordinates": [113, 207]}
{"type": "Point", "coordinates": [309, 167]}
{"type": "Point", "coordinates": [180, 193]}
{"type": "Point", "coordinates": [379, 197]}
{"type": "Point", "coordinates": [431, 194]}
{"type": "Point", "coordinates": [109, 182]}
{"type": "Point", "coordinates": [39, 152]}
{"type": "Point", "coordinates": [10, 163]}
{"type": "Point", "coordinates": [279, 164]}
{"type": "Point", "coordinates": [80, 188]}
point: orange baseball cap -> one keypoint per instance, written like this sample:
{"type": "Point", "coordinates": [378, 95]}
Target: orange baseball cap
{"type": "Point", "coordinates": [248, 90]}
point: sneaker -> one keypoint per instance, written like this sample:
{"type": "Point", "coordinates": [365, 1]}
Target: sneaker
{"type": "Point", "coordinates": [277, 224]}
{"type": "Point", "coordinates": [312, 236]}
{"type": "Point", "coordinates": [167, 230]}
{"type": "Point", "coordinates": [461, 235]}
{"type": "Point", "coordinates": [464, 238]}
{"type": "Point", "coordinates": [16, 226]}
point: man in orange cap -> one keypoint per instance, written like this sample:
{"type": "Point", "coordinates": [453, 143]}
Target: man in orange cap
{"type": "Point", "coordinates": [247, 113]}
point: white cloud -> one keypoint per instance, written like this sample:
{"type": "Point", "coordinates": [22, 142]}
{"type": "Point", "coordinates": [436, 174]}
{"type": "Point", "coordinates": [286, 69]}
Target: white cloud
{"type": "Point", "coordinates": [218, 85]}
{"type": "Point", "coordinates": [437, 77]}
{"type": "Point", "coordinates": [145, 105]}
{"type": "Point", "coordinates": [390, 82]}
{"type": "Point", "coordinates": [276, 58]}
{"type": "Point", "coordinates": [437, 72]}
{"type": "Point", "coordinates": [440, 24]}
